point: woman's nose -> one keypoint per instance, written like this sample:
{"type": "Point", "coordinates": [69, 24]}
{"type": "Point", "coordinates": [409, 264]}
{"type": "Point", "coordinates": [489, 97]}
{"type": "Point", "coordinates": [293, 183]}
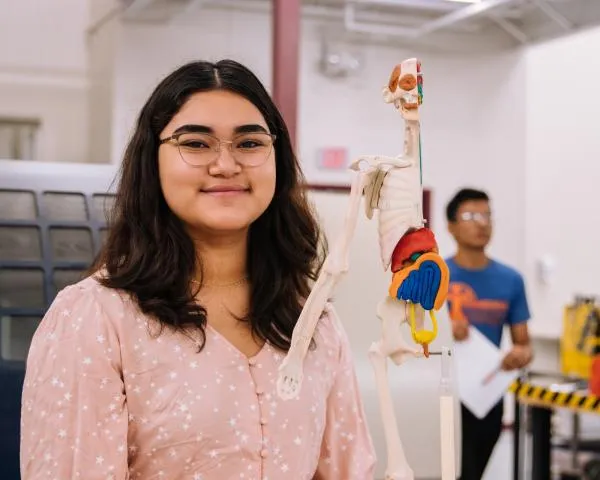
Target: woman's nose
{"type": "Point", "coordinates": [225, 163]}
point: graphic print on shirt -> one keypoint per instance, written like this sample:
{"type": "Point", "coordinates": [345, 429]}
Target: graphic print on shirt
{"type": "Point", "coordinates": [466, 306]}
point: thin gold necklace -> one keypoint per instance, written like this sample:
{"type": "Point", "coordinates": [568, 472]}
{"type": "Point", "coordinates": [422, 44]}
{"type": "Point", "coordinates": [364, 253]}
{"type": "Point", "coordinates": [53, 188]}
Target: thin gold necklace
{"type": "Point", "coordinates": [221, 285]}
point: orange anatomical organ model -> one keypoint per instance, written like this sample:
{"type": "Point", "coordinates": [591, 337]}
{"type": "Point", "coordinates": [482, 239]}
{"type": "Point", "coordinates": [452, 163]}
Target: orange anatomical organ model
{"type": "Point", "coordinates": [419, 282]}
{"type": "Point", "coordinates": [420, 277]}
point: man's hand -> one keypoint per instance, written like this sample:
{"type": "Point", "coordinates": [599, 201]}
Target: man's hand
{"type": "Point", "coordinates": [518, 357]}
{"type": "Point", "coordinates": [460, 329]}
{"type": "Point", "coordinates": [521, 353]}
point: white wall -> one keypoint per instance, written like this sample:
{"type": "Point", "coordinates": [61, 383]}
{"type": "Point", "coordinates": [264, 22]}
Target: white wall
{"type": "Point", "coordinates": [43, 64]}
{"type": "Point", "coordinates": [562, 173]}
{"type": "Point", "coordinates": [103, 41]}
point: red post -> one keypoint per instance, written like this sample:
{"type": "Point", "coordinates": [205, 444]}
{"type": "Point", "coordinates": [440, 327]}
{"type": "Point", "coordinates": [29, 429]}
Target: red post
{"type": "Point", "coordinates": [427, 207]}
{"type": "Point", "coordinates": [286, 59]}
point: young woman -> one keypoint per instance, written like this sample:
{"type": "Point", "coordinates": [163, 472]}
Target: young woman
{"type": "Point", "coordinates": [163, 363]}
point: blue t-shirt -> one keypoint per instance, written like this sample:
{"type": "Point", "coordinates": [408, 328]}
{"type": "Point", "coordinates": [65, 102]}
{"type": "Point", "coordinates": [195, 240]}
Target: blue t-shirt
{"type": "Point", "coordinates": [487, 298]}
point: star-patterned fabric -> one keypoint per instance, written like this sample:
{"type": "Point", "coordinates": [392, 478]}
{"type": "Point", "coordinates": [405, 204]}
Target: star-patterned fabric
{"type": "Point", "coordinates": [108, 395]}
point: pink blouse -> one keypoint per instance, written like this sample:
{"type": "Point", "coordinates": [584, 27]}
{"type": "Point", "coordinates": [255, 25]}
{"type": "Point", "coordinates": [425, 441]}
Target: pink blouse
{"type": "Point", "coordinates": [106, 397]}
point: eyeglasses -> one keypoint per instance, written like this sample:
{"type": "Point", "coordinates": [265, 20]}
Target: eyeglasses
{"type": "Point", "coordinates": [201, 149]}
{"type": "Point", "coordinates": [478, 217]}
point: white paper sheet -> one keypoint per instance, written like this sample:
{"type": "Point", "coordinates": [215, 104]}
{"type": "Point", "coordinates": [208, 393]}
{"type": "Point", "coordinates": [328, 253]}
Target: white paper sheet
{"type": "Point", "coordinates": [477, 360]}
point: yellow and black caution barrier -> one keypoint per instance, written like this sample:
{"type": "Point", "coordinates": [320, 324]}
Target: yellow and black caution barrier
{"type": "Point", "coordinates": [547, 397]}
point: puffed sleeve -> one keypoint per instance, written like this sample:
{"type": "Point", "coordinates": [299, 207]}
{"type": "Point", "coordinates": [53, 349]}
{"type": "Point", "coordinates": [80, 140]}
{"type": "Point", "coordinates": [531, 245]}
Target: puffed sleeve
{"type": "Point", "coordinates": [347, 449]}
{"type": "Point", "coordinates": [74, 412]}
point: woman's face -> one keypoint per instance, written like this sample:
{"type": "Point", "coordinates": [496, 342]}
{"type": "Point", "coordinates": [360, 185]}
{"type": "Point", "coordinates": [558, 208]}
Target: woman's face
{"type": "Point", "coordinates": [212, 190]}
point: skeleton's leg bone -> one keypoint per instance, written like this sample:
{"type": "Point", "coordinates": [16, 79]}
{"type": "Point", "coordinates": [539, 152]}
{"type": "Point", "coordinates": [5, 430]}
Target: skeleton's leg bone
{"type": "Point", "coordinates": [397, 466]}
{"type": "Point", "coordinates": [336, 265]}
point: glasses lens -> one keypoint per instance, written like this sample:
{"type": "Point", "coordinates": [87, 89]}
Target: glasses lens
{"type": "Point", "coordinates": [479, 217]}
{"type": "Point", "coordinates": [198, 148]}
{"type": "Point", "coordinates": [252, 149]}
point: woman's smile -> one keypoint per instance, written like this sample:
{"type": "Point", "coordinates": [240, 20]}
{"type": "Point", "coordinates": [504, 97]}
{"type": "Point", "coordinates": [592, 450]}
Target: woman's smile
{"type": "Point", "coordinates": [226, 190]}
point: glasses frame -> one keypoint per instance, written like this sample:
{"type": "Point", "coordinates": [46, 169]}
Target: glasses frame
{"type": "Point", "coordinates": [477, 217]}
{"type": "Point", "coordinates": [174, 140]}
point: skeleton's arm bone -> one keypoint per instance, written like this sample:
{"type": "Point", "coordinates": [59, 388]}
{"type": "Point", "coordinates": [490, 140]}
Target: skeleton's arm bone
{"type": "Point", "coordinates": [337, 262]}
{"type": "Point", "coordinates": [291, 369]}
{"type": "Point", "coordinates": [335, 266]}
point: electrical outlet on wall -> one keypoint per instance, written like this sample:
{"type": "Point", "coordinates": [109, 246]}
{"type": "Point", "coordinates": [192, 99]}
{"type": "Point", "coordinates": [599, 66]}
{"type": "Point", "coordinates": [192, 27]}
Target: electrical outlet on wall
{"type": "Point", "coordinates": [546, 268]}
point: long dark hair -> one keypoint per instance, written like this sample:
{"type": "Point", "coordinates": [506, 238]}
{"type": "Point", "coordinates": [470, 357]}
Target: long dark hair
{"type": "Point", "coordinates": [148, 253]}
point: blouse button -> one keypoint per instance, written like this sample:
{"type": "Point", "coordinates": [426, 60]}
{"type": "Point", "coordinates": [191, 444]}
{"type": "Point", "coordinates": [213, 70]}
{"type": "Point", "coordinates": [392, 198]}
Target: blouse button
{"type": "Point", "coordinates": [251, 362]}
{"type": "Point", "coordinates": [264, 453]}
{"type": "Point", "coordinates": [259, 391]}
{"type": "Point", "coordinates": [263, 421]}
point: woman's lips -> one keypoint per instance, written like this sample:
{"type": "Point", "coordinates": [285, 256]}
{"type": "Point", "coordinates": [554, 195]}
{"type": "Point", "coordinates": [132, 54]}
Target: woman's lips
{"type": "Point", "coordinates": [225, 191]}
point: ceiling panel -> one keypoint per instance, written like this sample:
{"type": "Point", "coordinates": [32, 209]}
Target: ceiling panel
{"type": "Point", "coordinates": [433, 24]}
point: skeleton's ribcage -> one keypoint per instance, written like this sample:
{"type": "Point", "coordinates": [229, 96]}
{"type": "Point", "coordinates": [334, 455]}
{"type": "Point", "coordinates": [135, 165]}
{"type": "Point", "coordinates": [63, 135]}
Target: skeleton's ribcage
{"type": "Point", "coordinates": [400, 208]}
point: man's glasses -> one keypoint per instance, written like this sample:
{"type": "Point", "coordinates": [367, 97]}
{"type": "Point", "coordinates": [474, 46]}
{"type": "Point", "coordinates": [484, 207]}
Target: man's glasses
{"type": "Point", "coordinates": [478, 217]}
{"type": "Point", "coordinates": [201, 149]}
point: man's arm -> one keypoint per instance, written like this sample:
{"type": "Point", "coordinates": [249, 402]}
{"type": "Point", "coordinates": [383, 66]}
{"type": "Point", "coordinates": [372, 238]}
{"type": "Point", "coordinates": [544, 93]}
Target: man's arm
{"type": "Point", "coordinates": [521, 353]}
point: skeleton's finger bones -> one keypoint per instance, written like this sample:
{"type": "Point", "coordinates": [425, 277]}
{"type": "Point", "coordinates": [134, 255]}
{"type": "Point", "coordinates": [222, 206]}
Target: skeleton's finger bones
{"type": "Point", "coordinates": [290, 379]}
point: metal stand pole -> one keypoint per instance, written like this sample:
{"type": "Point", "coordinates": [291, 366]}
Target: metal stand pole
{"type": "Point", "coordinates": [517, 441]}
{"type": "Point", "coordinates": [541, 448]}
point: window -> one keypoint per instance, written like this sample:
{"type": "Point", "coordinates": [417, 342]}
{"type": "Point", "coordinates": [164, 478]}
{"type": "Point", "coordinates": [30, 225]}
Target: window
{"type": "Point", "coordinates": [47, 241]}
{"type": "Point", "coordinates": [18, 138]}
{"type": "Point", "coordinates": [52, 223]}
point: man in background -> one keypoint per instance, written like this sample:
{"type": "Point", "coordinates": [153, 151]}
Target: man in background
{"type": "Point", "coordinates": [487, 295]}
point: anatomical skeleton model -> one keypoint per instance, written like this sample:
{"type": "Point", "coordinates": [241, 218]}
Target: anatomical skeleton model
{"type": "Point", "coordinates": [393, 186]}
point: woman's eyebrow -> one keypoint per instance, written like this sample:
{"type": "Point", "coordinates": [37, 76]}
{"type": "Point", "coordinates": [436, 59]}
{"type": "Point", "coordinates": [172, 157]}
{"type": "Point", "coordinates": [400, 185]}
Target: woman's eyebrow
{"type": "Point", "coordinates": [250, 128]}
{"type": "Point", "coordinates": [195, 128]}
